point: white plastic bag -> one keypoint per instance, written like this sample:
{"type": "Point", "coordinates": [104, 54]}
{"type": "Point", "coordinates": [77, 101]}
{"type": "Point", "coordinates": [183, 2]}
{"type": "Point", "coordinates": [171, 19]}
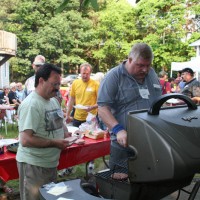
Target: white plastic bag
{"type": "Point", "coordinates": [90, 124]}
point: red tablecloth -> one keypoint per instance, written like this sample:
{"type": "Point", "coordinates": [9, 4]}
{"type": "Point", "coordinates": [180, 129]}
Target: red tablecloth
{"type": "Point", "coordinates": [73, 155]}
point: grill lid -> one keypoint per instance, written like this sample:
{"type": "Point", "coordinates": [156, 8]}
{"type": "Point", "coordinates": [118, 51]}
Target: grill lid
{"type": "Point", "coordinates": [166, 141]}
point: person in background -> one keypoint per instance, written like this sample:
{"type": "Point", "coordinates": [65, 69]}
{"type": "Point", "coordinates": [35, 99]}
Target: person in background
{"type": "Point", "coordinates": [29, 84]}
{"type": "Point", "coordinates": [84, 92]}
{"type": "Point", "coordinates": [99, 77]}
{"type": "Point", "coordinates": [192, 86]}
{"type": "Point", "coordinates": [178, 78]}
{"type": "Point", "coordinates": [172, 84]}
{"type": "Point", "coordinates": [67, 93]}
{"type": "Point", "coordinates": [5, 100]}
{"type": "Point", "coordinates": [13, 99]}
{"type": "Point", "coordinates": [181, 85]}
{"type": "Point", "coordinates": [166, 87]}
{"type": "Point", "coordinates": [20, 91]}
{"type": "Point", "coordinates": [67, 96]}
{"type": "Point", "coordinates": [42, 133]}
{"type": "Point", "coordinates": [132, 85]}
{"type": "Point", "coordinates": [4, 95]}
{"type": "Point", "coordinates": [179, 82]}
{"type": "Point", "coordinates": [12, 95]}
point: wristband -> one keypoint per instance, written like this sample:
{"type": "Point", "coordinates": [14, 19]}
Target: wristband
{"type": "Point", "coordinates": [117, 128]}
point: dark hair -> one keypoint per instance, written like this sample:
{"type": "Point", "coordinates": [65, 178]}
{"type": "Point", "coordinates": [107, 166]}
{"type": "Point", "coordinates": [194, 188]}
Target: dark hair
{"type": "Point", "coordinates": [44, 72]}
{"type": "Point", "coordinates": [171, 79]}
{"type": "Point", "coordinates": [189, 70]}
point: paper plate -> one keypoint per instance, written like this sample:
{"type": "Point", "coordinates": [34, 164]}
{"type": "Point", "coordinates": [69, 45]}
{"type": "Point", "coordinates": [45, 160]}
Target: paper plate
{"type": "Point", "coordinates": [6, 142]}
{"type": "Point", "coordinates": [173, 101]}
{"type": "Point", "coordinates": [72, 129]}
{"type": "Point", "coordinates": [79, 106]}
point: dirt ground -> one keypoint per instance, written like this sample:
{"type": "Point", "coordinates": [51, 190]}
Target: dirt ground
{"type": "Point", "coordinates": [13, 196]}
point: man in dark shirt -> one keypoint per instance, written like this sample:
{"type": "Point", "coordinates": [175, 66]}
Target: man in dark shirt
{"type": "Point", "coordinates": [192, 86]}
{"type": "Point", "coordinates": [12, 95]}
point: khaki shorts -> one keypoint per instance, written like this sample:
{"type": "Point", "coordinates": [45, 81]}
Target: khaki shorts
{"type": "Point", "coordinates": [31, 178]}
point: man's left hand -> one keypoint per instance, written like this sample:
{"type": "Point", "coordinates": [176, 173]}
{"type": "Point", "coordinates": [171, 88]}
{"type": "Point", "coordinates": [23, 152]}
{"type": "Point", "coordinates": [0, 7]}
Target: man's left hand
{"type": "Point", "coordinates": [67, 134]}
{"type": "Point", "coordinates": [89, 108]}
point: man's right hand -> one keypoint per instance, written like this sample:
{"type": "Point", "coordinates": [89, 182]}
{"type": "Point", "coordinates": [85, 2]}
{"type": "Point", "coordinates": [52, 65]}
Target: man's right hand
{"type": "Point", "coordinates": [69, 119]}
{"type": "Point", "coordinates": [122, 138]}
{"type": "Point", "coordinates": [61, 144]}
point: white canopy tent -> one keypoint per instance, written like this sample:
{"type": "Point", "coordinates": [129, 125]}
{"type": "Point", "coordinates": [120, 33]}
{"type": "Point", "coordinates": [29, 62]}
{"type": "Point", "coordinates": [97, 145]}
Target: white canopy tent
{"type": "Point", "coordinates": [194, 64]}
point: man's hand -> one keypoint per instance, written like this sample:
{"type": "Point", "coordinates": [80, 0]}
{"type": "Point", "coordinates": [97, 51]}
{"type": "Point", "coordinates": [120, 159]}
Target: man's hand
{"type": "Point", "coordinates": [122, 138]}
{"type": "Point", "coordinates": [67, 134]}
{"type": "Point", "coordinates": [29, 139]}
{"type": "Point", "coordinates": [69, 119]}
{"type": "Point", "coordinates": [89, 108]}
{"type": "Point", "coordinates": [196, 100]}
{"type": "Point", "coordinates": [61, 144]}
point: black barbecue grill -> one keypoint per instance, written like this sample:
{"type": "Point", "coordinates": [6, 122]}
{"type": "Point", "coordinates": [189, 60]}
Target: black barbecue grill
{"type": "Point", "coordinates": [166, 142]}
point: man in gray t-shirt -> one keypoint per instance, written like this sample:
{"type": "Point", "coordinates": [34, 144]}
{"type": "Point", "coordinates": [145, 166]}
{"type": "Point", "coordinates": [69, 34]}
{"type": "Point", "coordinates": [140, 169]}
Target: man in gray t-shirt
{"type": "Point", "coordinates": [42, 134]}
{"type": "Point", "coordinates": [133, 85]}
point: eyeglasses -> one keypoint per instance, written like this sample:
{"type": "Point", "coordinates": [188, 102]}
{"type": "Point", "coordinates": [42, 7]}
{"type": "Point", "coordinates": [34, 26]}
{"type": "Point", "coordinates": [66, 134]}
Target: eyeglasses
{"type": "Point", "coordinates": [55, 84]}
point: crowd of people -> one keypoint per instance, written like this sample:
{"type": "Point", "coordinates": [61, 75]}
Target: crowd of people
{"type": "Point", "coordinates": [9, 96]}
{"type": "Point", "coordinates": [185, 83]}
{"type": "Point", "coordinates": [43, 132]}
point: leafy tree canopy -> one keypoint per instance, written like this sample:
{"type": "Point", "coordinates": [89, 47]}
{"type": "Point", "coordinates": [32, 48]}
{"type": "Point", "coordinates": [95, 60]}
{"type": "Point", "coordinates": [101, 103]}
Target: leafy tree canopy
{"type": "Point", "coordinates": [69, 33]}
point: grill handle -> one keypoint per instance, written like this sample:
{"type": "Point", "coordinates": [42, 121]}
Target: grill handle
{"type": "Point", "coordinates": [135, 152]}
{"type": "Point", "coordinates": [156, 105]}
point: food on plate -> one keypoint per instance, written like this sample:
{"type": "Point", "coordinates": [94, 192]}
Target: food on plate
{"type": "Point", "coordinates": [119, 176]}
{"type": "Point", "coordinates": [96, 134]}
{"type": "Point", "coordinates": [80, 141]}
{"type": "Point", "coordinates": [71, 140]}
{"type": "Point", "coordinates": [78, 134]}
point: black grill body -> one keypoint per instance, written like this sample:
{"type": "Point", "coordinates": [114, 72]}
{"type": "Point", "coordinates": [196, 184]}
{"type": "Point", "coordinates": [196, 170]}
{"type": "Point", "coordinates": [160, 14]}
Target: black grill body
{"type": "Point", "coordinates": [167, 152]}
{"type": "Point", "coordinates": [167, 144]}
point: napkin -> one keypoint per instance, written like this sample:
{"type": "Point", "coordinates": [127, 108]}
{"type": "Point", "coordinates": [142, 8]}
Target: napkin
{"type": "Point", "coordinates": [59, 189]}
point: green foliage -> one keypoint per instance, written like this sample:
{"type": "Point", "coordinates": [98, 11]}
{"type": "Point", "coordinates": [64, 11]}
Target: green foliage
{"type": "Point", "coordinates": [161, 25]}
{"type": "Point", "coordinates": [103, 38]}
{"type": "Point", "coordinates": [83, 4]}
{"type": "Point", "coordinates": [115, 31]}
